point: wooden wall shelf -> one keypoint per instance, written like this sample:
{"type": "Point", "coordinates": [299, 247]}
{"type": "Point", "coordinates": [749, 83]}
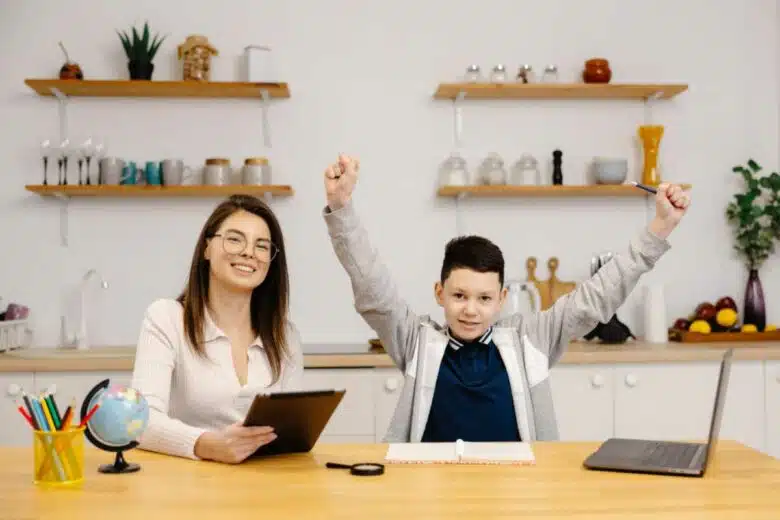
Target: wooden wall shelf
{"type": "Point", "coordinates": [133, 191]}
{"type": "Point", "coordinates": [596, 190]}
{"type": "Point", "coordinates": [157, 89]}
{"type": "Point", "coordinates": [557, 91]}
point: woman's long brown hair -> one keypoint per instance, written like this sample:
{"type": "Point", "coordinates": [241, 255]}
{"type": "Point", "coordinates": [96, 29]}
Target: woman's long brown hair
{"type": "Point", "coordinates": [270, 299]}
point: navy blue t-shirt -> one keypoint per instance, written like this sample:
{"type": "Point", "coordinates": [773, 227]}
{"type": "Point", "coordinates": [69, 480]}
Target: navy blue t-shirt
{"type": "Point", "coordinates": [472, 399]}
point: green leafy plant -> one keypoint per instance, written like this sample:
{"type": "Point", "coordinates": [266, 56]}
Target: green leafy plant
{"type": "Point", "coordinates": [138, 47]}
{"type": "Point", "coordinates": [755, 214]}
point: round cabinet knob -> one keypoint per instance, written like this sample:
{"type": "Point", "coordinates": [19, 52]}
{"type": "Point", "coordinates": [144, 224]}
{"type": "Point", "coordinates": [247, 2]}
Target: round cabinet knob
{"type": "Point", "coordinates": [597, 381]}
{"type": "Point", "coordinates": [13, 390]}
{"type": "Point", "coordinates": [391, 384]}
{"type": "Point", "coordinates": [631, 380]}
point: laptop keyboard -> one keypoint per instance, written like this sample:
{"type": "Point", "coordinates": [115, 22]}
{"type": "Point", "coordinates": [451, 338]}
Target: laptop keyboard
{"type": "Point", "coordinates": [665, 454]}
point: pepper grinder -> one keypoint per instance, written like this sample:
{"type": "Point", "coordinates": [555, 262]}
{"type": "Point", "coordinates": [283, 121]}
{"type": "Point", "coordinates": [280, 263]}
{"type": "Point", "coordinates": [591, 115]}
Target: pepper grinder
{"type": "Point", "coordinates": [557, 176]}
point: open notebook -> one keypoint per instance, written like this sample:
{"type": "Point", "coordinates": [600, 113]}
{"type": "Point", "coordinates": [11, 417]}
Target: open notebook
{"type": "Point", "coordinates": [461, 452]}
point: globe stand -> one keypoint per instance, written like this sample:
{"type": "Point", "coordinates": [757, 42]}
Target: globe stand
{"type": "Point", "coordinates": [120, 465]}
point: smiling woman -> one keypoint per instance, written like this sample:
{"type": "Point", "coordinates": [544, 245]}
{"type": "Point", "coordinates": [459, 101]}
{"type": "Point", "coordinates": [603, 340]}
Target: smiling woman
{"type": "Point", "coordinates": [202, 357]}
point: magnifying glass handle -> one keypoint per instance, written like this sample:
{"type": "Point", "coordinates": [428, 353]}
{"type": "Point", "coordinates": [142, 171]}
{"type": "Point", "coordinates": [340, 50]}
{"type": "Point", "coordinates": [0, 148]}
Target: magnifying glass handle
{"type": "Point", "coordinates": [337, 465]}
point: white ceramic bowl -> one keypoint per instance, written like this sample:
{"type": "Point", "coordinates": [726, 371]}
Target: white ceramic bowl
{"type": "Point", "coordinates": [610, 171]}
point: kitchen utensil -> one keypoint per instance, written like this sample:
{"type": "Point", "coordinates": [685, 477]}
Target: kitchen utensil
{"type": "Point", "coordinates": [255, 171]}
{"type": "Point", "coordinates": [522, 298]}
{"type": "Point", "coordinates": [526, 171]}
{"type": "Point", "coordinates": [551, 289]}
{"type": "Point", "coordinates": [609, 171]}
{"type": "Point", "coordinates": [217, 171]}
{"type": "Point", "coordinates": [473, 74]}
{"type": "Point", "coordinates": [110, 169]}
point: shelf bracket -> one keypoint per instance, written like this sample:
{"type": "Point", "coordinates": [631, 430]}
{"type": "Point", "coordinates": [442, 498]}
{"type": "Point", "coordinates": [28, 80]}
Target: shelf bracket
{"type": "Point", "coordinates": [458, 118]}
{"type": "Point", "coordinates": [458, 214]}
{"type": "Point", "coordinates": [266, 127]}
{"type": "Point", "coordinates": [64, 200]}
{"type": "Point", "coordinates": [268, 197]}
{"type": "Point", "coordinates": [649, 103]}
{"type": "Point", "coordinates": [62, 102]}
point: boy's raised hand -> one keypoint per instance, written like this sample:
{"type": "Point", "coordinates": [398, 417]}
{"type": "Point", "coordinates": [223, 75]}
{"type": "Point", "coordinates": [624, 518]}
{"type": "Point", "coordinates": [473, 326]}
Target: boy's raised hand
{"type": "Point", "coordinates": [671, 204]}
{"type": "Point", "coordinates": [340, 180]}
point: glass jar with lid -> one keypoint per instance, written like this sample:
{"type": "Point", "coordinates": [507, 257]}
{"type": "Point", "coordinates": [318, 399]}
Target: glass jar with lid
{"type": "Point", "coordinates": [492, 170]}
{"type": "Point", "coordinates": [526, 171]}
{"type": "Point", "coordinates": [454, 171]}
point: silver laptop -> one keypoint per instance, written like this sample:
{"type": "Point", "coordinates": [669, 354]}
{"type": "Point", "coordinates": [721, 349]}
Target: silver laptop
{"type": "Point", "coordinates": [665, 457]}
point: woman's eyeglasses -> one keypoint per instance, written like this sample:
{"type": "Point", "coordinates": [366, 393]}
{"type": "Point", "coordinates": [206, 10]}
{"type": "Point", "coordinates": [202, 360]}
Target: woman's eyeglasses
{"type": "Point", "coordinates": [234, 243]}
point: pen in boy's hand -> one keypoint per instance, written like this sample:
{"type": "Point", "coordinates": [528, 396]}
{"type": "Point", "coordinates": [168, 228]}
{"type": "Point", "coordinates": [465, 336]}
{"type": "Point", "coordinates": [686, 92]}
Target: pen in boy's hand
{"type": "Point", "coordinates": [649, 189]}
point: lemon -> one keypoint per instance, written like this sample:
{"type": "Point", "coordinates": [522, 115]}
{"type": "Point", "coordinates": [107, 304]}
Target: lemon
{"type": "Point", "coordinates": [726, 317]}
{"type": "Point", "coordinates": [700, 326]}
{"type": "Point", "coordinates": [770, 328]}
{"type": "Point", "coordinates": [749, 327]}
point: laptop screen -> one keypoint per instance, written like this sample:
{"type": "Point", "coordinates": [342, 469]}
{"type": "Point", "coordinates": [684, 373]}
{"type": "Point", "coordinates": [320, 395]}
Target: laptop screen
{"type": "Point", "coordinates": [720, 401]}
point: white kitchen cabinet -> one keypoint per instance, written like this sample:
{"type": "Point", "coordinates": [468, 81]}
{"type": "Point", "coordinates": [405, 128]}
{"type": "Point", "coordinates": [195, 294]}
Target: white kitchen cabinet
{"type": "Point", "coordinates": [674, 401]}
{"type": "Point", "coordinates": [583, 397]}
{"type": "Point", "coordinates": [664, 401]}
{"type": "Point", "coordinates": [355, 414]}
{"type": "Point", "coordinates": [14, 430]}
{"type": "Point", "coordinates": [772, 408]}
{"type": "Point", "coordinates": [387, 383]}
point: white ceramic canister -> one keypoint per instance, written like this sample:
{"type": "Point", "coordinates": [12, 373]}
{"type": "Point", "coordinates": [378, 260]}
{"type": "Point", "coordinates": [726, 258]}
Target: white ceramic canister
{"type": "Point", "coordinates": [217, 171]}
{"type": "Point", "coordinates": [256, 171]}
{"type": "Point", "coordinates": [655, 314]}
{"type": "Point", "coordinates": [259, 65]}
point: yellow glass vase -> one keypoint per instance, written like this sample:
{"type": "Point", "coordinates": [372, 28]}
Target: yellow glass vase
{"type": "Point", "coordinates": [651, 135]}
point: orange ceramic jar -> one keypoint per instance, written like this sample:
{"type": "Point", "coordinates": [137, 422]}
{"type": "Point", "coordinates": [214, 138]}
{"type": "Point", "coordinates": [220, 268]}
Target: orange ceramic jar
{"type": "Point", "coordinates": [596, 71]}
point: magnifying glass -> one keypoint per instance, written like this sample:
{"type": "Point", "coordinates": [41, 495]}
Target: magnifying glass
{"type": "Point", "coordinates": [363, 469]}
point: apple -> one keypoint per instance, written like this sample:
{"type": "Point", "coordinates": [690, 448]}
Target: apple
{"type": "Point", "coordinates": [681, 324]}
{"type": "Point", "coordinates": [727, 302]}
{"type": "Point", "coordinates": [705, 311]}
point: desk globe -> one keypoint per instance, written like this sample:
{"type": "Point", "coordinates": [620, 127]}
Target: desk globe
{"type": "Point", "coordinates": [119, 421]}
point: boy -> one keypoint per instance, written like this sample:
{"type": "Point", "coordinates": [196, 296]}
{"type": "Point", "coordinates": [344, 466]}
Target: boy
{"type": "Point", "coordinates": [474, 379]}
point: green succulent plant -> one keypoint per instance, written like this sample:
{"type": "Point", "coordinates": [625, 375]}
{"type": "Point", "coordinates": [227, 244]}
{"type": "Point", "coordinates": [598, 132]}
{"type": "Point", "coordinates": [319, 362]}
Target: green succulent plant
{"type": "Point", "coordinates": [755, 214]}
{"type": "Point", "coordinates": [138, 47]}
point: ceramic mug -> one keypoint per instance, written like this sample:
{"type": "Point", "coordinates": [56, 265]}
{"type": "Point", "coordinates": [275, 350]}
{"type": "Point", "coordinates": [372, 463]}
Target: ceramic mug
{"type": "Point", "coordinates": [129, 174]}
{"type": "Point", "coordinates": [110, 170]}
{"type": "Point", "coordinates": [174, 173]}
{"type": "Point", "coordinates": [153, 174]}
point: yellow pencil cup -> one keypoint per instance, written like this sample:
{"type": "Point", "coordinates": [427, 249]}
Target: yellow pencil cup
{"type": "Point", "coordinates": [58, 457]}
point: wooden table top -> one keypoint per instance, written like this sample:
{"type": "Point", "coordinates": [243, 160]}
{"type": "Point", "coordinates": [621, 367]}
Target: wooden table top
{"type": "Point", "coordinates": [742, 483]}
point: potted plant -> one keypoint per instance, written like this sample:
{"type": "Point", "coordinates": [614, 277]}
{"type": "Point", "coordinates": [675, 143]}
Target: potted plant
{"type": "Point", "coordinates": [755, 215]}
{"type": "Point", "coordinates": [140, 51]}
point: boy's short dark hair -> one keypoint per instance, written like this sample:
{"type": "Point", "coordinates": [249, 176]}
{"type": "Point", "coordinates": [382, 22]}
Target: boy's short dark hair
{"type": "Point", "coordinates": [475, 253]}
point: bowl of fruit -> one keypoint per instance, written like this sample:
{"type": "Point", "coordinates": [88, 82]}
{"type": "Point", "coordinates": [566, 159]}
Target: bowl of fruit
{"type": "Point", "coordinates": [719, 321]}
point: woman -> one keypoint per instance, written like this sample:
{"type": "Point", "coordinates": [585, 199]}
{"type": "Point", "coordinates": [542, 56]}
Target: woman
{"type": "Point", "coordinates": [203, 357]}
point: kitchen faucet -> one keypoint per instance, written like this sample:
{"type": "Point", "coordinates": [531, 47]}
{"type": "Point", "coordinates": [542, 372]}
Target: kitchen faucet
{"type": "Point", "coordinates": [81, 336]}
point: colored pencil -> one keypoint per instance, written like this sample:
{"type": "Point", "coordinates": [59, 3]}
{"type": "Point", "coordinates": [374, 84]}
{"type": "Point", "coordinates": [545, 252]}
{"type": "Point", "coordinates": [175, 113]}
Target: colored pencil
{"type": "Point", "coordinates": [89, 415]}
{"type": "Point", "coordinates": [26, 416]}
{"type": "Point", "coordinates": [30, 411]}
{"type": "Point", "coordinates": [52, 409]}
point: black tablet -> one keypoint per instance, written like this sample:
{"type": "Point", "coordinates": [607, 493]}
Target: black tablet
{"type": "Point", "coordinates": [298, 418]}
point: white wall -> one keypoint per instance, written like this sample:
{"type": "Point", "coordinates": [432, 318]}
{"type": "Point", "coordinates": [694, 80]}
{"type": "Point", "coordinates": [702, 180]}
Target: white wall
{"type": "Point", "coordinates": [362, 74]}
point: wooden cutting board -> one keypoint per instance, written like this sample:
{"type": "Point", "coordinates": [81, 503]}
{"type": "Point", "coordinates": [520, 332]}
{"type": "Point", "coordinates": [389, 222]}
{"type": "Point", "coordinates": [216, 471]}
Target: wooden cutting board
{"type": "Point", "coordinates": [552, 288]}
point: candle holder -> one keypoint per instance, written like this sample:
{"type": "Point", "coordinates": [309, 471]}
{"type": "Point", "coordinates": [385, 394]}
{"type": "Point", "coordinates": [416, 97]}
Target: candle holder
{"type": "Point", "coordinates": [650, 136]}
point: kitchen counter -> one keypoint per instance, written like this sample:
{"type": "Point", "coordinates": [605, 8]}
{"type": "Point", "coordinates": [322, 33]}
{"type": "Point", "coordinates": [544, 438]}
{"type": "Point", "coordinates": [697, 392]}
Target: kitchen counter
{"type": "Point", "coordinates": [120, 358]}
